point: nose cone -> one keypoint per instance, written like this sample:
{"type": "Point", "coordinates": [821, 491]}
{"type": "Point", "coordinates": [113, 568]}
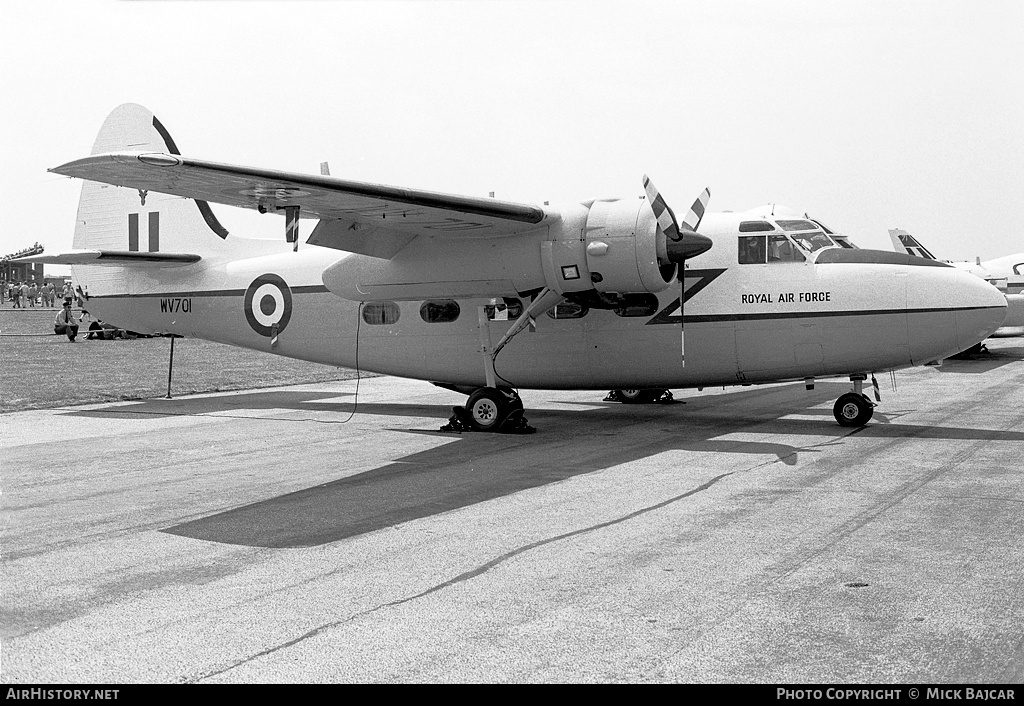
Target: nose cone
{"type": "Point", "coordinates": [982, 312]}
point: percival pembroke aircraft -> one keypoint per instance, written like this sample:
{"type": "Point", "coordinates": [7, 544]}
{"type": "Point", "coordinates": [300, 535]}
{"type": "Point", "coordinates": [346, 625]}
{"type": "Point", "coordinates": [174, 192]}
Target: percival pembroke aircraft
{"type": "Point", "coordinates": [484, 296]}
{"type": "Point", "coordinates": [1005, 273]}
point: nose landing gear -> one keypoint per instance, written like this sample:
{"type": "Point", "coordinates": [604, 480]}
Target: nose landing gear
{"type": "Point", "coordinates": [854, 409]}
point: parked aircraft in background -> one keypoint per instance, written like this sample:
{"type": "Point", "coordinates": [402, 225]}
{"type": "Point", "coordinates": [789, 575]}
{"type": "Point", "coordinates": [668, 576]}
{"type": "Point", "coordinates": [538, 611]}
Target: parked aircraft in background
{"type": "Point", "coordinates": [486, 296]}
{"type": "Point", "coordinates": [1005, 273]}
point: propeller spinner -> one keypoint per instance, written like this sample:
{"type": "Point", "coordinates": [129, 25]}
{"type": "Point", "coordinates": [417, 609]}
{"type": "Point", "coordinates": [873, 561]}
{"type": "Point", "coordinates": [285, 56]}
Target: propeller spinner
{"type": "Point", "coordinates": [680, 243]}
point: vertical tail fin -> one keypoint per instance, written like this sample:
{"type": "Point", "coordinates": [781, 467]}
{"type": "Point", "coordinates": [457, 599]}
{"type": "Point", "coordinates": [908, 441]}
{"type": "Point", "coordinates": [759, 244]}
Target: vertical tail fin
{"type": "Point", "coordinates": [904, 242]}
{"type": "Point", "coordinates": [118, 218]}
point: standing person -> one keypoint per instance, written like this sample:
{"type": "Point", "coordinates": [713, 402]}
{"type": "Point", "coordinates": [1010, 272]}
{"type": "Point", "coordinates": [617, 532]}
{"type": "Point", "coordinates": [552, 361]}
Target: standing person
{"type": "Point", "coordinates": [33, 294]}
{"type": "Point", "coordinates": [65, 322]}
{"type": "Point", "coordinates": [48, 295]}
{"type": "Point", "coordinates": [24, 294]}
{"type": "Point", "coordinates": [16, 295]}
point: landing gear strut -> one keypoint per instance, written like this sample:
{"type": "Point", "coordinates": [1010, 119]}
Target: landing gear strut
{"type": "Point", "coordinates": [490, 409]}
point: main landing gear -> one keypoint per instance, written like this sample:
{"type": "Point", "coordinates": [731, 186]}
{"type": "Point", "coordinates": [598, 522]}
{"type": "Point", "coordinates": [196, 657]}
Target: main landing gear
{"type": "Point", "coordinates": [497, 409]}
{"type": "Point", "coordinates": [854, 409]}
{"type": "Point", "coordinates": [647, 396]}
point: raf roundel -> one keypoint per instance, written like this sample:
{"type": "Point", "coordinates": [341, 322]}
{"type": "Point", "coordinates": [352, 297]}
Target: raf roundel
{"type": "Point", "coordinates": [268, 304]}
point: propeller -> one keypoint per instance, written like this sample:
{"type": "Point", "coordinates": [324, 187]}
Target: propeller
{"type": "Point", "coordinates": [680, 243]}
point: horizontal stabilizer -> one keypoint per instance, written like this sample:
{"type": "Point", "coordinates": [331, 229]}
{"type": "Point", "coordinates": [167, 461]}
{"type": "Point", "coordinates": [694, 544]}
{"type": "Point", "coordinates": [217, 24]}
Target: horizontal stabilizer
{"type": "Point", "coordinates": [114, 257]}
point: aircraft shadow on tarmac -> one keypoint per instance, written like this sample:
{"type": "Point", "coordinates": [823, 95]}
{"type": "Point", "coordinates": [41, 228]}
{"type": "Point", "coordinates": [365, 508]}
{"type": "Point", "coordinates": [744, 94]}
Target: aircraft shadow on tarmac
{"type": "Point", "coordinates": [475, 467]}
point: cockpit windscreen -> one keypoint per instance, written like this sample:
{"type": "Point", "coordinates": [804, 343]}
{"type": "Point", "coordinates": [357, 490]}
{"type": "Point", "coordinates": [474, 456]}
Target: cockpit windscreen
{"type": "Point", "coordinates": [812, 240]}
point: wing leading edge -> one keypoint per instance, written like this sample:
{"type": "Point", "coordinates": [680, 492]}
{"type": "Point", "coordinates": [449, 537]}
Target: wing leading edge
{"type": "Point", "coordinates": [355, 216]}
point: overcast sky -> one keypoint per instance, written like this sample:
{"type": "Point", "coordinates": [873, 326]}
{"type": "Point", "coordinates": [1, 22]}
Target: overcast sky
{"type": "Point", "coordinates": [866, 115]}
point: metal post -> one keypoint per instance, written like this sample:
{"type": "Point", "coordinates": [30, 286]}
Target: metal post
{"type": "Point", "coordinates": [170, 367]}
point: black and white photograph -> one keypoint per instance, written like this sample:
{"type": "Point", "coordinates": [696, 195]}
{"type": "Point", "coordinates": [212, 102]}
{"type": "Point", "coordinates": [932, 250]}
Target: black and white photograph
{"type": "Point", "coordinates": [513, 342]}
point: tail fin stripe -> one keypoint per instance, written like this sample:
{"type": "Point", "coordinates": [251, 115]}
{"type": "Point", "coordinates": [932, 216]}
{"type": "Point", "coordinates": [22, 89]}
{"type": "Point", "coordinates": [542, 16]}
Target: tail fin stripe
{"type": "Point", "coordinates": [204, 207]}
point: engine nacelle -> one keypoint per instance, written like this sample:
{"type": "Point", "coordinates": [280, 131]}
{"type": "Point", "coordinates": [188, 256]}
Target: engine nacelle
{"type": "Point", "coordinates": [625, 249]}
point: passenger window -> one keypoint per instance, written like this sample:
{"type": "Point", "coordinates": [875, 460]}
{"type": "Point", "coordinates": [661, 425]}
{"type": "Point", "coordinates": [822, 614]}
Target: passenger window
{"type": "Point", "coordinates": [509, 310]}
{"type": "Point", "coordinates": [752, 249]}
{"type": "Point", "coordinates": [638, 305]}
{"type": "Point", "coordinates": [381, 313]}
{"type": "Point", "coordinates": [780, 249]}
{"type": "Point", "coordinates": [568, 310]}
{"type": "Point", "coordinates": [440, 311]}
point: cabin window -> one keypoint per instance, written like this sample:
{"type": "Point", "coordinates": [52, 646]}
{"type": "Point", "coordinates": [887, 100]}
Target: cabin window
{"type": "Point", "coordinates": [568, 310]}
{"type": "Point", "coordinates": [509, 309]}
{"type": "Point", "coordinates": [638, 305]}
{"type": "Point", "coordinates": [755, 226]}
{"type": "Point", "coordinates": [752, 250]}
{"type": "Point", "coordinates": [440, 311]}
{"type": "Point", "coordinates": [781, 249]}
{"type": "Point", "coordinates": [381, 313]}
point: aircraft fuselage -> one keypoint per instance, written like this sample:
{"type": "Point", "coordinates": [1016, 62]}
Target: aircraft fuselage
{"type": "Point", "coordinates": [839, 312]}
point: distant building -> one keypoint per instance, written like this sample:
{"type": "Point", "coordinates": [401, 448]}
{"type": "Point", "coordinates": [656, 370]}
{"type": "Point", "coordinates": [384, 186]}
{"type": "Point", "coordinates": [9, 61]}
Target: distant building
{"type": "Point", "coordinates": [22, 271]}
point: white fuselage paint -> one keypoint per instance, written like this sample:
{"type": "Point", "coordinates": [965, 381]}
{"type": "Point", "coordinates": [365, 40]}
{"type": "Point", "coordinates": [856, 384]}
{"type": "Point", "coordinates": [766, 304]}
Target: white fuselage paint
{"type": "Point", "coordinates": [749, 323]}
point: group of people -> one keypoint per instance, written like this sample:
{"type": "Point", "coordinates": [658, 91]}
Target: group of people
{"type": "Point", "coordinates": [23, 295]}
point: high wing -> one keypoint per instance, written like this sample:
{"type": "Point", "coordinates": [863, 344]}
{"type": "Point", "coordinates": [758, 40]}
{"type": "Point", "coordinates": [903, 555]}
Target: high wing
{"type": "Point", "coordinates": [360, 217]}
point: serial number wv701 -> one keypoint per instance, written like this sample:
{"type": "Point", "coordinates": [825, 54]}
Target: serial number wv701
{"type": "Point", "coordinates": [176, 305]}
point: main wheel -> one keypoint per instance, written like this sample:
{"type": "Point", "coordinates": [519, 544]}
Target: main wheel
{"type": "Point", "coordinates": [639, 396]}
{"type": "Point", "coordinates": [853, 410]}
{"type": "Point", "coordinates": [488, 408]}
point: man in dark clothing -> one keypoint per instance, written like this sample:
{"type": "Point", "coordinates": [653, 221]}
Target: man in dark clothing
{"type": "Point", "coordinates": [65, 322]}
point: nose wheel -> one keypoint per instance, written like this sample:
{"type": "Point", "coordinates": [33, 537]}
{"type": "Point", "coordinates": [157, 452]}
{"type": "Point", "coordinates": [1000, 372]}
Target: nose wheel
{"type": "Point", "coordinates": [853, 410]}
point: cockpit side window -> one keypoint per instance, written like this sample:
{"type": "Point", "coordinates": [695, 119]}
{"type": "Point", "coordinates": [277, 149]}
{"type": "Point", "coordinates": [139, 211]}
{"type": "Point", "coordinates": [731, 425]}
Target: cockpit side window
{"type": "Point", "coordinates": [752, 250]}
{"type": "Point", "coordinates": [781, 249]}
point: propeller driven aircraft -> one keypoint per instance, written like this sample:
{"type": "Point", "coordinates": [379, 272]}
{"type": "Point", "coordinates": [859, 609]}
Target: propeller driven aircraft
{"type": "Point", "coordinates": [487, 297]}
{"type": "Point", "coordinates": [1005, 273]}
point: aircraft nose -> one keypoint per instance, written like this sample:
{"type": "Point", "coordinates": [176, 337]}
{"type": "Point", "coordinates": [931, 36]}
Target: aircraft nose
{"type": "Point", "coordinates": [948, 311]}
{"type": "Point", "coordinates": [981, 310]}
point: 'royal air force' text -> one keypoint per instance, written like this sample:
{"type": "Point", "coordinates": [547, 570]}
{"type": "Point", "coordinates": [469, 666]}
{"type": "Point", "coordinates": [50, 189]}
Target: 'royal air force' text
{"type": "Point", "coordinates": [786, 298]}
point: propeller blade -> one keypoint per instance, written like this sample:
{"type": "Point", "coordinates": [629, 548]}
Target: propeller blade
{"type": "Point", "coordinates": [664, 215]}
{"type": "Point", "coordinates": [696, 213]}
{"type": "Point", "coordinates": [697, 243]}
